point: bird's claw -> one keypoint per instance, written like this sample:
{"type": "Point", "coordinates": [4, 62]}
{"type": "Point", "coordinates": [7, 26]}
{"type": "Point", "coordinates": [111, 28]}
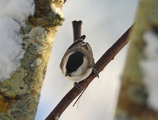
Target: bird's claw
{"type": "Point", "coordinates": [77, 86]}
{"type": "Point", "coordinates": [95, 72]}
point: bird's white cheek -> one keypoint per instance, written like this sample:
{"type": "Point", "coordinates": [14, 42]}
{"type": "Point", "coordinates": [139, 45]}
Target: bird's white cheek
{"type": "Point", "coordinates": [63, 70]}
{"type": "Point", "coordinates": [76, 77]}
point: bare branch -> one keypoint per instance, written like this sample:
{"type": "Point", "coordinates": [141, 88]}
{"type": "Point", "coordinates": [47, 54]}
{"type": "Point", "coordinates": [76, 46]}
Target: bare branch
{"type": "Point", "coordinates": [99, 66]}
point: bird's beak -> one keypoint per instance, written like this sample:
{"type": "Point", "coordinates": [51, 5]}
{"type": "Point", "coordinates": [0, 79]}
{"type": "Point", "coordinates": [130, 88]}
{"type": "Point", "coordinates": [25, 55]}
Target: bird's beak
{"type": "Point", "coordinates": [67, 74]}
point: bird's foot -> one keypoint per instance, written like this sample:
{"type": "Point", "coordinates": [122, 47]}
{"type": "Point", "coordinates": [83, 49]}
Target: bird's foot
{"type": "Point", "coordinates": [77, 86]}
{"type": "Point", "coordinates": [95, 72]}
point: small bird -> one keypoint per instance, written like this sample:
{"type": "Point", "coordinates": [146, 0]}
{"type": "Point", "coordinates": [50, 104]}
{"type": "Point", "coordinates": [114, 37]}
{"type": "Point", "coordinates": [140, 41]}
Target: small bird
{"type": "Point", "coordinates": [77, 62]}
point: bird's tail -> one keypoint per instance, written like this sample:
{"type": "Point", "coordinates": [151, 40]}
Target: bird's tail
{"type": "Point", "coordinates": [76, 29]}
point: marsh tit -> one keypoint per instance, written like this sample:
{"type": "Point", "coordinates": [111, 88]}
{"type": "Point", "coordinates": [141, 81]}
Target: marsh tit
{"type": "Point", "coordinates": [77, 62]}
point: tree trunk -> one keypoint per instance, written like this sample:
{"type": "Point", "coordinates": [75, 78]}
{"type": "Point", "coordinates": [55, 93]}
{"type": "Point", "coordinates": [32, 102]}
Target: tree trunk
{"type": "Point", "coordinates": [19, 95]}
{"type": "Point", "coordinates": [133, 103]}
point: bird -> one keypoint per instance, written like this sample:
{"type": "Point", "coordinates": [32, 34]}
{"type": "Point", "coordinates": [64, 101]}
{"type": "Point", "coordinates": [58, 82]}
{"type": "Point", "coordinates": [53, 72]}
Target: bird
{"type": "Point", "coordinates": [78, 62]}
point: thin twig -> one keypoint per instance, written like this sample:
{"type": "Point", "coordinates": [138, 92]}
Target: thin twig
{"type": "Point", "coordinates": [79, 97]}
{"type": "Point", "coordinates": [99, 66]}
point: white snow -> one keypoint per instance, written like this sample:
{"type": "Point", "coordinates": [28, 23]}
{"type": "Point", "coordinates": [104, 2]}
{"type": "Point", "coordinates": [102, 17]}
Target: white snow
{"type": "Point", "coordinates": [57, 10]}
{"type": "Point", "coordinates": [150, 68]}
{"type": "Point", "coordinates": [13, 14]}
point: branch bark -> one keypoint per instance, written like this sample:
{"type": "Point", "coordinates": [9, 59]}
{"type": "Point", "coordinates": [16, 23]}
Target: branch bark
{"type": "Point", "coordinates": [99, 66]}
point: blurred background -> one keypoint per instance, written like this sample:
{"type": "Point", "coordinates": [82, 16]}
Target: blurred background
{"type": "Point", "coordinates": [104, 21]}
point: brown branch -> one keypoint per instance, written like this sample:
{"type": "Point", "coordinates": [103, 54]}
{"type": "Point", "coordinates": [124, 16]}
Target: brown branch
{"type": "Point", "coordinates": [99, 66]}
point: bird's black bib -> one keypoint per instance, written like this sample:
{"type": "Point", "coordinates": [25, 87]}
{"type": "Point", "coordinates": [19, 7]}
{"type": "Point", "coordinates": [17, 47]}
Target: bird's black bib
{"type": "Point", "coordinates": [74, 62]}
